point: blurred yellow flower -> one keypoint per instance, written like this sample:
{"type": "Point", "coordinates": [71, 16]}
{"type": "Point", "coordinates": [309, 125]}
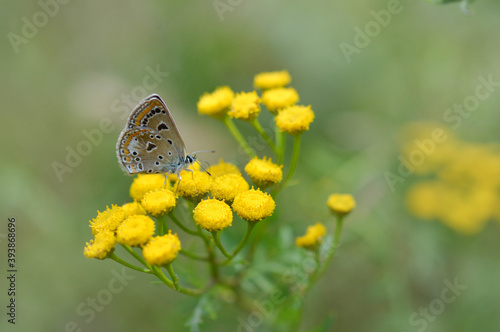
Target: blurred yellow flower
{"type": "Point", "coordinates": [279, 98]}
{"type": "Point", "coordinates": [341, 204]}
{"type": "Point", "coordinates": [213, 215]}
{"type": "Point", "coordinates": [423, 199]}
{"type": "Point", "coordinates": [109, 220]}
{"type": "Point", "coordinates": [253, 205]}
{"type": "Point", "coordinates": [264, 172]}
{"type": "Point", "coordinates": [102, 245]}
{"type": "Point", "coordinates": [144, 183]}
{"type": "Point", "coordinates": [273, 79]}
{"type": "Point", "coordinates": [161, 250]}
{"type": "Point", "coordinates": [133, 208]}
{"type": "Point", "coordinates": [135, 231]}
{"type": "Point", "coordinates": [245, 106]}
{"type": "Point", "coordinates": [227, 186]}
{"type": "Point", "coordinates": [223, 168]}
{"type": "Point", "coordinates": [313, 237]}
{"type": "Point", "coordinates": [462, 179]}
{"type": "Point", "coordinates": [193, 184]}
{"type": "Point", "coordinates": [217, 103]}
{"type": "Point", "coordinates": [294, 120]}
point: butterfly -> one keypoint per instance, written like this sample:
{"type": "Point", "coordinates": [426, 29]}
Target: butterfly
{"type": "Point", "coordinates": [150, 142]}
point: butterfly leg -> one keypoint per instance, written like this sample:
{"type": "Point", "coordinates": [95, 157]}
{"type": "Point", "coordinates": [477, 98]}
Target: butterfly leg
{"type": "Point", "coordinates": [166, 178]}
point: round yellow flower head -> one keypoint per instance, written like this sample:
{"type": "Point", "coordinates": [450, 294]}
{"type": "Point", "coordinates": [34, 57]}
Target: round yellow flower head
{"type": "Point", "coordinates": [162, 250]}
{"type": "Point", "coordinates": [213, 215]}
{"type": "Point", "coordinates": [216, 103]}
{"type": "Point", "coordinates": [193, 184]}
{"type": "Point", "coordinates": [159, 202]}
{"type": "Point", "coordinates": [109, 220]}
{"type": "Point", "coordinates": [253, 205]}
{"type": "Point", "coordinates": [294, 120]}
{"type": "Point", "coordinates": [223, 168]}
{"type": "Point", "coordinates": [313, 237]}
{"type": "Point", "coordinates": [271, 80]}
{"type": "Point", "coordinates": [134, 208]}
{"type": "Point", "coordinates": [102, 246]}
{"type": "Point", "coordinates": [227, 186]}
{"type": "Point", "coordinates": [279, 98]}
{"type": "Point", "coordinates": [135, 231]}
{"type": "Point", "coordinates": [264, 172]}
{"type": "Point", "coordinates": [144, 183]}
{"type": "Point", "coordinates": [245, 106]}
{"type": "Point", "coordinates": [341, 204]}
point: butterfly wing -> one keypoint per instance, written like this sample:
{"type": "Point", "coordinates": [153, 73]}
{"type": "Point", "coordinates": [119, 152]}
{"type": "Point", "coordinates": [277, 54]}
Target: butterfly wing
{"type": "Point", "coordinates": [144, 150]}
{"type": "Point", "coordinates": [154, 114]}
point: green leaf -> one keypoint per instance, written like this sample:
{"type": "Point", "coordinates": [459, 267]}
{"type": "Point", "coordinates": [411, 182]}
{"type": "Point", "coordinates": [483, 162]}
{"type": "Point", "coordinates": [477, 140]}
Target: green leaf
{"type": "Point", "coordinates": [206, 307]}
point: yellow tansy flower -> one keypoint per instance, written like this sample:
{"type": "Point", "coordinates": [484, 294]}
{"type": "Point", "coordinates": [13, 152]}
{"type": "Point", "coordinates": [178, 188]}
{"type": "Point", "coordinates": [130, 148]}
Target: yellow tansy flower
{"type": "Point", "coordinates": [162, 250]}
{"type": "Point", "coordinates": [341, 204]}
{"type": "Point", "coordinates": [134, 208]}
{"type": "Point", "coordinates": [313, 237]}
{"type": "Point", "coordinates": [253, 205]}
{"type": "Point", "coordinates": [223, 168]}
{"type": "Point", "coordinates": [216, 103]}
{"type": "Point", "coordinates": [245, 106]}
{"type": "Point", "coordinates": [294, 120]}
{"type": "Point", "coordinates": [423, 199]}
{"type": "Point", "coordinates": [135, 231]}
{"type": "Point", "coordinates": [227, 186]}
{"type": "Point", "coordinates": [144, 183]}
{"type": "Point", "coordinates": [193, 184]}
{"type": "Point", "coordinates": [109, 220]}
{"type": "Point", "coordinates": [273, 79]}
{"type": "Point", "coordinates": [264, 172]}
{"type": "Point", "coordinates": [279, 98]}
{"type": "Point", "coordinates": [213, 215]}
{"type": "Point", "coordinates": [102, 245]}
{"type": "Point", "coordinates": [159, 202]}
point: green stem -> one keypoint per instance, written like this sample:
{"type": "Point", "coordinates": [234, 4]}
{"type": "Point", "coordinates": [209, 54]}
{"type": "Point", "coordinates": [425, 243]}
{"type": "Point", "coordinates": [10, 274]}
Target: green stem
{"type": "Point", "coordinates": [193, 256]}
{"type": "Point", "coordinates": [214, 268]}
{"type": "Point", "coordinates": [329, 258]}
{"type": "Point", "coordinates": [136, 256]}
{"type": "Point", "coordinates": [293, 163]}
{"type": "Point", "coordinates": [256, 124]}
{"type": "Point", "coordinates": [219, 245]}
{"type": "Point", "coordinates": [250, 226]}
{"type": "Point", "coordinates": [162, 226]}
{"type": "Point", "coordinates": [280, 144]}
{"type": "Point", "coordinates": [237, 135]}
{"type": "Point", "coordinates": [173, 276]}
{"type": "Point", "coordinates": [127, 264]}
{"type": "Point", "coordinates": [172, 216]}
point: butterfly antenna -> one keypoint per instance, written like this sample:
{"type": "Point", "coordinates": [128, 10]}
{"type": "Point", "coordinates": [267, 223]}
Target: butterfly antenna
{"type": "Point", "coordinates": [211, 151]}
{"type": "Point", "coordinates": [203, 168]}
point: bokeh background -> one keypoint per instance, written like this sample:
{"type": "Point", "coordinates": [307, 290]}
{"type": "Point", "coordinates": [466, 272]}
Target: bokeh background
{"type": "Point", "coordinates": [401, 244]}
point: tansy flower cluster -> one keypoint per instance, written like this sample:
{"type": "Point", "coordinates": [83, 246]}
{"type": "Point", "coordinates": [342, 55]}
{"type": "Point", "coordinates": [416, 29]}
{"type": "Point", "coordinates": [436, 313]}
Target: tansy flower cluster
{"type": "Point", "coordinates": [460, 183]}
{"type": "Point", "coordinates": [194, 213]}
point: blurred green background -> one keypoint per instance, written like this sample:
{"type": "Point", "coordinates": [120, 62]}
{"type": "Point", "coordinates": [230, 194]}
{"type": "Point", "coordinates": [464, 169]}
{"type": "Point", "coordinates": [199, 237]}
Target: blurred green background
{"type": "Point", "coordinates": [88, 57]}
